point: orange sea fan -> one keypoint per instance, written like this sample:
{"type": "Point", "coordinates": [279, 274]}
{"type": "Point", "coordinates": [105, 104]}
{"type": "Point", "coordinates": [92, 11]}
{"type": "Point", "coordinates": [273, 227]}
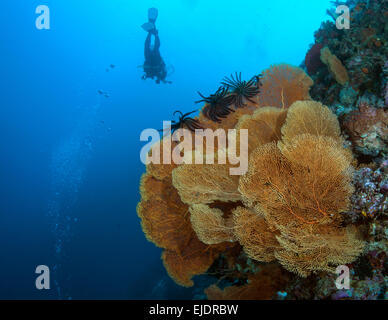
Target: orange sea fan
{"type": "Point", "coordinates": [164, 217]}
{"type": "Point", "coordinates": [206, 183]}
{"type": "Point", "coordinates": [161, 170]}
{"type": "Point", "coordinates": [335, 66]}
{"type": "Point", "coordinates": [310, 117]}
{"type": "Point", "coordinates": [307, 182]}
{"type": "Point", "coordinates": [196, 258]}
{"type": "Point", "coordinates": [318, 248]}
{"type": "Point", "coordinates": [297, 193]}
{"type": "Point", "coordinates": [267, 166]}
{"type": "Point", "coordinates": [326, 171]}
{"type": "Point", "coordinates": [210, 225]}
{"type": "Point", "coordinates": [282, 85]}
{"type": "Point", "coordinates": [263, 126]}
{"type": "Point", "coordinates": [165, 220]}
{"type": "Point", "coordinates": [285, 208]}
{"type": "Point", "coordinates": [255, 235]}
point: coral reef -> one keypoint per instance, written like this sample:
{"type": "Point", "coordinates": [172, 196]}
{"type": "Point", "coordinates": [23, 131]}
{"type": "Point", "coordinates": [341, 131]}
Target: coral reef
{"type": "Point", "coordinates": [315, 195]}
{"type": "Point", "coordinates": [165, 221]}
{"type": "Point", "coordinates": [282, 85]}
{"type": "Point", "coordinates": [261, 286]}
{"type": "Point", "coordinates": [335, 66]}
{"type": "Point", "coordinates": [298, 163]}
{"type": "Point", "coordinates": [368, 129]}
{"type": "Point", "coordinates": [370, 201]}
{"type": "Point", "coordinates": [362, 50]}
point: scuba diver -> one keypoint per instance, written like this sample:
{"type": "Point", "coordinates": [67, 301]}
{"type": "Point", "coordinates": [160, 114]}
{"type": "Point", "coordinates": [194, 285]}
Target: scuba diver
{"type": "Point", "coordinates": [154, 66]}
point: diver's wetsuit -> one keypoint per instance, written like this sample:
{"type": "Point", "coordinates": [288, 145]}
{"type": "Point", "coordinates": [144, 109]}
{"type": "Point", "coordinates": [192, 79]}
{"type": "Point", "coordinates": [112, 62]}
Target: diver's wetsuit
{"type": "Point", "coordinates": [154, 65]}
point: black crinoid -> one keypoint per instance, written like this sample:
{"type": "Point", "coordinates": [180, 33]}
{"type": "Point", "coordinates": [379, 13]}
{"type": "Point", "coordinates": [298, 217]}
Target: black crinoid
{"type": "Point", "coordinates": [218, 104]}
{"type": "Point", "coordinates": [184, 122]}
{"type": "Point", "coordinates": [257, 80]}
{"type": "Point", "coordinates": [242, 90]}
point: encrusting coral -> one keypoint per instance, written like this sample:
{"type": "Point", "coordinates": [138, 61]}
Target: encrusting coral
{"type": "Point", "coordinates": [285, 208]}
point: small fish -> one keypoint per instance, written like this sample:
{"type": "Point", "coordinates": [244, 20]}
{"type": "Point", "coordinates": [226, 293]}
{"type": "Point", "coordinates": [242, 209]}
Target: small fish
{"type": "Point", "coordinates": [103, 93]}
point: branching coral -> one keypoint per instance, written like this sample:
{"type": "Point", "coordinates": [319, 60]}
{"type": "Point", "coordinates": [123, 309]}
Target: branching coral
{"type": "Point", "coordinates": [282, 85]}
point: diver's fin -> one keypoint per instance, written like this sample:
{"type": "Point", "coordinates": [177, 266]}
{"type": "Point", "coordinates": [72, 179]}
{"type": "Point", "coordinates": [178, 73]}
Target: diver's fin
{"type": "Point", "coordinates": [152, 14]}
{"type": "Point", "coordinates": [148, 26]}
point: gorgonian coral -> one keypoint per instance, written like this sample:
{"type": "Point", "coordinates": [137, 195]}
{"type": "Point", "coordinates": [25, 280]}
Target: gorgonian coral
{"type": "Point", "coordinates": [286, 208]}
{"type": "Point", "coordinates": [293, 193]}
{"type": "Point", "coordinates": [335, 66]}
{"type": "Point", "coordinates": [282, 85]}
{"type": "Point", "coordinates": [165, 220]}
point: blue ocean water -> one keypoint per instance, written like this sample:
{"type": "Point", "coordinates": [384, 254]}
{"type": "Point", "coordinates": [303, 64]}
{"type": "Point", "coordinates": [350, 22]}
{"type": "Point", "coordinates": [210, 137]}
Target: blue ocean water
{"type": "Point", "coordinates": [70, 166]}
